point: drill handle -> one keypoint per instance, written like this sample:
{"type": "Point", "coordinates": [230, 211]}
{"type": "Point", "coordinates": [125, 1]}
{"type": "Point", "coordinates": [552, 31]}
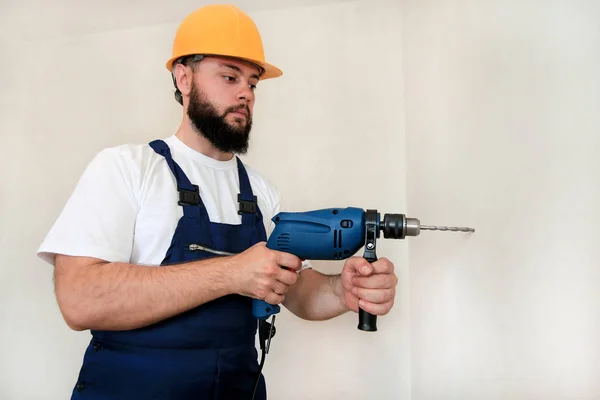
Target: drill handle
{"type": "Point", "coordinates": [263, 310]}
{"type": "Point", "coordinates": [260, 308]}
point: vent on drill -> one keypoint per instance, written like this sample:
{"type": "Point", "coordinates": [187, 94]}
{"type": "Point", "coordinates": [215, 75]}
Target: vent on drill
{"type": "Point", "coordinates": [337, 239]}
{"type": "Point", "coordinates": [337, 244]}
{"type": "Point", "coordinates": [283, 241]}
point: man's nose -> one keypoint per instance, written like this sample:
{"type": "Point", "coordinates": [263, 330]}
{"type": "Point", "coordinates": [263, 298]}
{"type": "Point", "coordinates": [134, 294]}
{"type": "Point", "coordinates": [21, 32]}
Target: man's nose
{"type": "Point", "coordinates": [246, 94]}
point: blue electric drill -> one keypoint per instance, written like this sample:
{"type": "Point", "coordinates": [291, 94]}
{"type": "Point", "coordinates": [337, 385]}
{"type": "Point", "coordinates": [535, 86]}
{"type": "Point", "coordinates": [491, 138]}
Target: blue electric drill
{"type": "Point", "coordinates": [336, 234]}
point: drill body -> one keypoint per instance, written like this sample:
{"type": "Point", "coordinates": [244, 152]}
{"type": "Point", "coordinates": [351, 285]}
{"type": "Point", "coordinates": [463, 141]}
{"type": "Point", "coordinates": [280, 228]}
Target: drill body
{"type": "Point", "coordinates": [328, 234]}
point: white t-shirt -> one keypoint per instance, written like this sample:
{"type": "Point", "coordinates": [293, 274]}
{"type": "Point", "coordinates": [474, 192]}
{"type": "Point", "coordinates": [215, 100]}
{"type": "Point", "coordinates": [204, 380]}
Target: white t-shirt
{"type": "Point", "coordinates": [124, 207]}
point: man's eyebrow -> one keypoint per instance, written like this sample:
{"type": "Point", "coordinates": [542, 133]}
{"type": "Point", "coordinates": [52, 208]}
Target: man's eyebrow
{"type": "Point", "coordinates": [237, 69]}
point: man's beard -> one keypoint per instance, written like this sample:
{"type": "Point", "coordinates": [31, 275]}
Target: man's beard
{"type": "Point", "coordinates": [213, 126]}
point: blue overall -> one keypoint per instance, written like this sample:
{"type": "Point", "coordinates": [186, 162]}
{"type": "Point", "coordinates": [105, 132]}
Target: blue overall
{"type": "Point", "coordinates": [206, 353]}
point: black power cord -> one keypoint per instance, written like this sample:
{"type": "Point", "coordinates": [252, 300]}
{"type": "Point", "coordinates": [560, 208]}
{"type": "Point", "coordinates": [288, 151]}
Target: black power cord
{"type": "Point", "coordinates": [266, 331]}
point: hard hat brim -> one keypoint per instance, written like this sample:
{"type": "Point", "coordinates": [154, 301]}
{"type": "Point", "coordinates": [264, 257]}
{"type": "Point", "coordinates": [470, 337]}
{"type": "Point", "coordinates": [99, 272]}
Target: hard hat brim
{"type": "Point", "coordinates": [269, 70]}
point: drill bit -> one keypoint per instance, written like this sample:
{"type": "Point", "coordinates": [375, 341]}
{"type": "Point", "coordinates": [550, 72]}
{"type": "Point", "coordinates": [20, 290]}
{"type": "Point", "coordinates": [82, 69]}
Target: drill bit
{"type": "Point", "coordinates": [446, 228]}
{"type": "Point", "coordinates": [398, 226]}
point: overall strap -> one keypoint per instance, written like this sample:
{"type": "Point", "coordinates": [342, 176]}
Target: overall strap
{"type": "Point", "coordinates": [189, 194]}
{"type": "Point", "coordinates": [248, 206]}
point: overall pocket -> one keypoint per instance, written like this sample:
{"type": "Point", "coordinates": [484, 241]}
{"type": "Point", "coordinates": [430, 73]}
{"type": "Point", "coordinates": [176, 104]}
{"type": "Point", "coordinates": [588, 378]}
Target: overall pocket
{"type": "Point", "coordinates": [123, 372]}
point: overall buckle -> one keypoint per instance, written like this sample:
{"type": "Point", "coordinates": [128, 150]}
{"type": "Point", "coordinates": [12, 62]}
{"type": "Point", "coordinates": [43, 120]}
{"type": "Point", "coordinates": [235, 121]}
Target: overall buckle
{"type": "Point", "coordinates": [189, 197]}
{"type": "Point", "coordinates": [247, 206]}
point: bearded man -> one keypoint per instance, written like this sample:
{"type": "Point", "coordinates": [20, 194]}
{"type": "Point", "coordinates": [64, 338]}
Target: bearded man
{"type": "Point", "coordinates": [161, 247]}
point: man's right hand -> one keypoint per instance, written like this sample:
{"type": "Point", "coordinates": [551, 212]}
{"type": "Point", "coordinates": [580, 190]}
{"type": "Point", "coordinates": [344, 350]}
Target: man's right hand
{"type": "Point", "coordinates": [265, 274]}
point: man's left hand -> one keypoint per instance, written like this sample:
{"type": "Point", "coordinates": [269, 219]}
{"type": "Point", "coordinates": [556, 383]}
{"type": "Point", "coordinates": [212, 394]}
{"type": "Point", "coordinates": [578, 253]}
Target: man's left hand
{"type": "Point", "coordinates": [370, 286]}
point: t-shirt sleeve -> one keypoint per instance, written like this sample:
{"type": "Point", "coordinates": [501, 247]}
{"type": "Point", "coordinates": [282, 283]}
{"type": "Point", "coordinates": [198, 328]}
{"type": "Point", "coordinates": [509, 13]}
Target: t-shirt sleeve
{"type": "Point", "coordinates": [98, 219]}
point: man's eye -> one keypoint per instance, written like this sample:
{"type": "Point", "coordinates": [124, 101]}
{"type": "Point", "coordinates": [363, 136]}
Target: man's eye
{"type": "Point", "coordinates": [253, 87]}
{"type": "Point", "coordinates": [230, 78]}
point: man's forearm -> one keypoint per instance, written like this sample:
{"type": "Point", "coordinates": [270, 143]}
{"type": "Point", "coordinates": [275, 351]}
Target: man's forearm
{"type": "Point", "coordinates": [93, 294]}
{"type": "Point", "coordinates": [316, 296]}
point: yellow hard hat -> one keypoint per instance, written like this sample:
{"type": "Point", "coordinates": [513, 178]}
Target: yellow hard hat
{"type": "Point", "coordinates": [222, 30]}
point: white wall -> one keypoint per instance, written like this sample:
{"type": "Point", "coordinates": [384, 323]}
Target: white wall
{"type": "Point", "coordinates": [329, 133]}
{"type": "Point", "coordinates": [502, 104]}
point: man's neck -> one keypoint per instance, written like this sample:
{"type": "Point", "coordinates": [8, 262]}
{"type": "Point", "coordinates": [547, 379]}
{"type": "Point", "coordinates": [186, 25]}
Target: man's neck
{"type": "Point", "coordinates": [197, 142]}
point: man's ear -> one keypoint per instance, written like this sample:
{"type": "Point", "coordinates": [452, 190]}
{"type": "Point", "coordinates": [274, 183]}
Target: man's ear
{"type": "Point", "coordinates": [183, 77]}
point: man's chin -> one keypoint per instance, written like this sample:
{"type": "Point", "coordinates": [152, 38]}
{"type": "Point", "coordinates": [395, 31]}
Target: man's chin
{"type": "Point", "coordinates": [236, 121]}
{"type": "Point", "coordinates": [239, 127]}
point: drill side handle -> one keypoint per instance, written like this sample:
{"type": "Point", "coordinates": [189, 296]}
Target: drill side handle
{"type": "Point", "coordinates": [367, 321]}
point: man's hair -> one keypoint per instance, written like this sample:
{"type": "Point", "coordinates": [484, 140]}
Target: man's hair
{"type": "Point", "coordinates": [191, 61]}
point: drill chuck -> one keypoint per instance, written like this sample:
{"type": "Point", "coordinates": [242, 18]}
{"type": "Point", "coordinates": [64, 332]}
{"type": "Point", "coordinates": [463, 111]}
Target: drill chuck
{"type": "Point", "coordinates": [398, 226]}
